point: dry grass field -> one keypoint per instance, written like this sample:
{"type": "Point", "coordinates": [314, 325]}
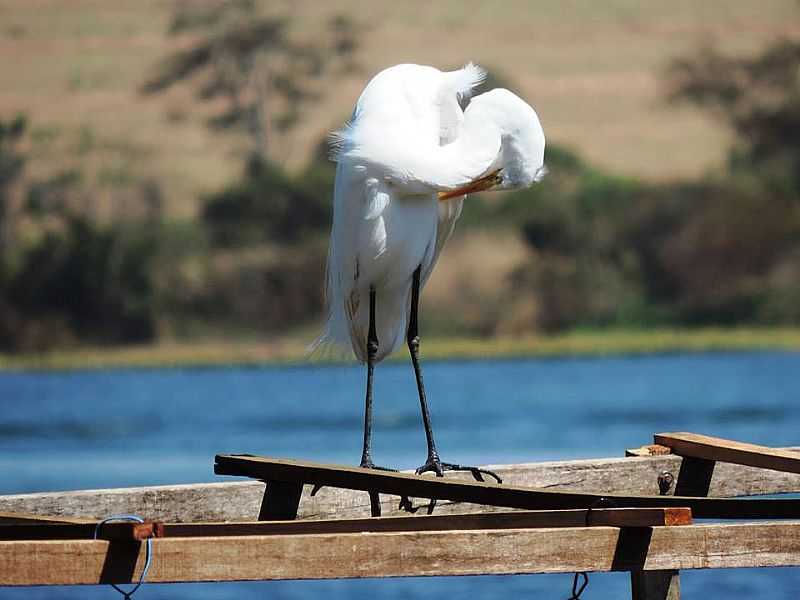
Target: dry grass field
{"type": "Point", "coordinates": [593, 69]}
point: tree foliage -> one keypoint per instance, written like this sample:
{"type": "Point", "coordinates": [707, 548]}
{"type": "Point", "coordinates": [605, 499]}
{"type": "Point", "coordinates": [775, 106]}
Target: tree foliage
{"type": "Point", "coordinates": [65, 278]}
{"type": "Point", "coordinates": [721, 249]}
{"type": "Point", "coordinates": [11, 164]}
{"type": "Point", "coordinates": [268, 205]}
{"type": "Point", "coordinates": [757, 97]}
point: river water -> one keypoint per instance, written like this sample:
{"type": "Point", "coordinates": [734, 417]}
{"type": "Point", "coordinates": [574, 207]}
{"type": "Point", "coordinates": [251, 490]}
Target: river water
{"type": "Point", "coordinates": [119, 428]}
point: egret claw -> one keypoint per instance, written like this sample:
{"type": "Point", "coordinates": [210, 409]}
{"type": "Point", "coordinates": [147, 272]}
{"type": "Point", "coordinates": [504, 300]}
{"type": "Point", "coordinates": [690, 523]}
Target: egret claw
{"type": "Point", "coordinates": [434, 465]}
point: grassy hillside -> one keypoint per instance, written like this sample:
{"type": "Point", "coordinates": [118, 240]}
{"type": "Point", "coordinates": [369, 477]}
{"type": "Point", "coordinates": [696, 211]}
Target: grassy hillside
{"type": "Point", "coordinates": [593, 71]}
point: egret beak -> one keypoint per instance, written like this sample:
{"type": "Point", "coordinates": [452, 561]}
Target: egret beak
{"type": "Point", "coordinates": [476, 185]}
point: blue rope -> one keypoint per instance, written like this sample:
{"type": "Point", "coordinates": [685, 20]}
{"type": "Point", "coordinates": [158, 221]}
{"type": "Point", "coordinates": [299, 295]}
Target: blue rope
{"type": "Point", "coordinates": [147, 557]}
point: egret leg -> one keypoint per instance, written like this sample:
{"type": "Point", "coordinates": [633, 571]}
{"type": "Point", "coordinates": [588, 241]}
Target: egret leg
{"type": "Point", "coordinates": [366, 454]}
{"type": "Point", "coordinates": [372, 353]}
{"type": "Point", "coordinates": [433, 463]}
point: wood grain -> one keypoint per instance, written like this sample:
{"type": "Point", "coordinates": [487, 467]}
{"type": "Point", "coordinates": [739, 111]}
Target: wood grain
{"type": "Point", "coordinates": [238, 501]}
{"type": "Point", "coordinates": [605, 517]}
{"type": "Point", "coordinates": [325, 556]}
{"type": "Point", "coordinates": [602, 517]}
{"type": "Point", "coordinates": [718, 449]}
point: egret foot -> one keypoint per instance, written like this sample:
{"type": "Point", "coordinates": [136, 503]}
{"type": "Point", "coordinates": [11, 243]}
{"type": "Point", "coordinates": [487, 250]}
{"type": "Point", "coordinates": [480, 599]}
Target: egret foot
{"type": "Point", "coordinates": [434, 465]}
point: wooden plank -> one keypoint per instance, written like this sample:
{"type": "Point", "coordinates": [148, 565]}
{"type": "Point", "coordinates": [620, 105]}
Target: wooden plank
{"type": "Point", "coordinates": [656, 585]}
{"type": "Point", "coordinates": [717, 449]}
{"type": "Point", "coordinates": [324, 556]}
{"type": "Point", "coordinates": [602, 517]}
{"type": "Point", "coordinates": [71, 531]}
{"type": "Point", "coordinates": [173, 503]}
{"type": "Point", "coordinates": [489, 494]}
{"type": "Point", "coordinates": [239, 501]}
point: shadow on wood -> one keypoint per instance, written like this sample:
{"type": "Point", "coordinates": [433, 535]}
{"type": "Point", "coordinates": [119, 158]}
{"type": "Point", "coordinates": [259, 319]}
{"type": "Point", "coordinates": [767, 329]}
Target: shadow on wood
{"type": "Point", "coordinates": [633, 544]}
{"type": "Point", "coordinates": [120, 562]}
{"type": "Point", "coordinates": [694, 478]}
{"type": "Point", "coordinates": [281, 500]}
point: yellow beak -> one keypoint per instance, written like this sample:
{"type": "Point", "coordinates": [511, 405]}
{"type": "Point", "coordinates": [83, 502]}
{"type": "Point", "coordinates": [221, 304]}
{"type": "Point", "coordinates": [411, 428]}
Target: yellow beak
{"type": "Point", "coordinates": [476, 185]}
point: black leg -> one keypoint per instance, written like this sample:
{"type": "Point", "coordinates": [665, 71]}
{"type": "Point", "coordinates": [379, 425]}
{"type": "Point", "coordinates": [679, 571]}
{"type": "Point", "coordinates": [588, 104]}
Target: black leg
{"type": "Point", "coordinates": [413, 348]}
{"type": "Point", "coordinates": [372, 352]}
{"type": "Point", "coordinates": [366, 455]}
{"type": "Point", "coordinates": [433, 462]}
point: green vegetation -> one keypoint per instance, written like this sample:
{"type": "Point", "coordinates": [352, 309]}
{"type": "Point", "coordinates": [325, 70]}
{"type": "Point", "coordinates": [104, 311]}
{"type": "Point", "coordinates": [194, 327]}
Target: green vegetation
{"type": "Point", "coordinates": [62, 277]}
{"type": "Point", "coordinates": [291, 350]}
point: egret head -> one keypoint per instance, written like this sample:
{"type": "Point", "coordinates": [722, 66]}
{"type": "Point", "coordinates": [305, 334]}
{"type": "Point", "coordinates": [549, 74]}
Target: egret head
{"type": "Point", "coordinates": [520, 161]}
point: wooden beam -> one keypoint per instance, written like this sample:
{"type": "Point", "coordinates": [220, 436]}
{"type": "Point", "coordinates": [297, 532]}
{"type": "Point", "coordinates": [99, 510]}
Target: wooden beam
{"type": "Point", "coordinates": [86, 531]}
{"type": "Point", "coordinates": [717, 449]}
{"type": "Point", "coordinates": [601, 517]}
{"type": "Point", "coordinates": [240, 501]}
{"type": "Point", "coordinates": [505, 496]}
{"type": "Point", "coordinates": [228, 501]}
{"type": "Point", "coordinates": [390, 554]}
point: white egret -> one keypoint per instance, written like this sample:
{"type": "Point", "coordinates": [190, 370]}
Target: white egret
{"type": "Point", "coordinates": [406, 160]}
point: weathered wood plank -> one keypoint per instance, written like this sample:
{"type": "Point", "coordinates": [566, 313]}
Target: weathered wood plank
{"type": "Point", "coordinates": [655, 585]}
{"type": "Point", "coordinates": [602, 517]}
{"type": "Point", "coordinates": [490, 494]}
{"type": "Point", "coordinates": [237, 501]}
{"type": "Point", "coordinates": [325, 556]}
{"type": "Point", "coordinates": [71, 531]}
{"type": "Point", "coordinates": [707, 447]}
{"type": "Point", "coordinates": [175, 503]}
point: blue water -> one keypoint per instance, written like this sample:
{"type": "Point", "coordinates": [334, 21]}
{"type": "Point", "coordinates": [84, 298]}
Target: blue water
{"type": "Point", "coordinates": [122, 428]}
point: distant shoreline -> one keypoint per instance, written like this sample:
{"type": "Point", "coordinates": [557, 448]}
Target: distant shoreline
{"type": "Point", "coordinates": [605, 342]}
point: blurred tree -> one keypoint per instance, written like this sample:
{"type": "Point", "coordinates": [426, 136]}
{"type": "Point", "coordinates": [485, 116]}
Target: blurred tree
{"type": "Point", "coordinates": [64, 278]}
{"type": "Point", "coordinates": [721, 249]}
{"type": "Point", "coordinates": [266, 204]}
{"type": "Point", "coordinates": [11, 163]}
{"type": "Point", "coordinates": [758, 97]}
{"type": "Point", "coordinates": [253, 61]}
{"type": "Point", "coordinates": [730, 259]}
{"type": "Point", "coordinates": [84, 283]}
